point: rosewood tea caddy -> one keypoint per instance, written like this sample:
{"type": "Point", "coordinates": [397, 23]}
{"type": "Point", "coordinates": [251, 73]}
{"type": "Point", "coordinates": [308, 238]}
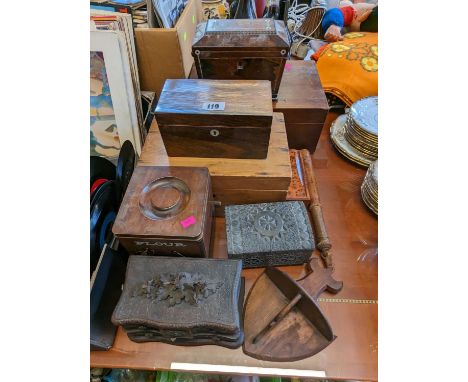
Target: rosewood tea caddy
{"type": "Point", "coordinates": [242, 49]}
{"type": "Point", "coordinates": [166, 211]}
{"type": "Point", "coordinates": [215, 118]}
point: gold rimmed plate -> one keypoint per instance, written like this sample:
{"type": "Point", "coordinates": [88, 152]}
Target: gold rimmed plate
{"type": "Point", "coordinates": [337, 130]}
{"type": "Point", "coordinates": [365, 138]}
{"type": "Point", "coordinates": [370, 153]}
{"type": "Point", "coordinates": [372, 193]}
{"type": "Point", "coordinates": [373, 208]}
{"type": "Point", "coordinates": [352, 159]}
{"type": "Point", "coordinates": [374, 143]}
{"type": "Point", "coordinates": [370, 196]}
{"type": "Point", "coordinates": [351, 135]}
{"type": "Point", "coordinates": [369, 188]}
{"type": "Point", "coordinates": [375, 172]}
{"type": "Point", "coordinates": [352, 125]}
{"type": "Point", "coordinates": [369, 202]}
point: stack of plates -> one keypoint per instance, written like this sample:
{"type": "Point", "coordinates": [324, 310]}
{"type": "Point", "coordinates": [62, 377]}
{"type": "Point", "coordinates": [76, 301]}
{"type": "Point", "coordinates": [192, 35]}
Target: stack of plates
{"type": "Point", "coordinates": [369, 188]}
{"type": "Point", "coordinates": [356, 135]}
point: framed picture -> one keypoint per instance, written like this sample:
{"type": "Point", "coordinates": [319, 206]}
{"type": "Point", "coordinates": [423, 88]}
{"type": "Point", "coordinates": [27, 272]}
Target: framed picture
{"type": "Point", "coordinates": [113, 114]}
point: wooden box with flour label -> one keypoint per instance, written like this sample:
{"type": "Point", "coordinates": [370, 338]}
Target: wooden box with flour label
{"type": "Point", "coordinates": [215, 118]}
{"type": "Point", "coordinates": [166, 211]}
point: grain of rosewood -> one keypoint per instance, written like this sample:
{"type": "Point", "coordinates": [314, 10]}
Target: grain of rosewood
{"type": "Point", "coordinates": [228, 68]}
{"type": "Point", "coordinates": [240, 49]}
{"type": "Point", "coordinates": [247, 103]}
{"type": "Point", "coordinates": [227, 37]}
{"type": "Point", "coordinates": [216, 141]}
{"type": "Point", "coordinates": [241, 129]}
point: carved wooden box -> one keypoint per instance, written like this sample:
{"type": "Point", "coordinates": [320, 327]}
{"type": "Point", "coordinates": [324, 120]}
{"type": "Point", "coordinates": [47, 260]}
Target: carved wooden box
{"type": "Point", "coordinates": [241, 49]}
{"type": "Point", "coordinates": [215, 118]}
{"type": "Point", "coordinates": [269, 234]}
{"type": "Point", "coordinates": [166, 211]}
{"type": "Point", "coordinates": [182, 301]}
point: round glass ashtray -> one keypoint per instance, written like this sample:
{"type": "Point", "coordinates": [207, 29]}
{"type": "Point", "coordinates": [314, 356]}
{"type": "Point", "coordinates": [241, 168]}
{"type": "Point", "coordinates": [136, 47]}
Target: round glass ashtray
{"type": "Point", "coordinates": [164, 198]}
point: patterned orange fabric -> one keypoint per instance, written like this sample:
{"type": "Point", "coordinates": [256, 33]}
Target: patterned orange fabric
{"type": "Point", "coordinates": [348, 69]}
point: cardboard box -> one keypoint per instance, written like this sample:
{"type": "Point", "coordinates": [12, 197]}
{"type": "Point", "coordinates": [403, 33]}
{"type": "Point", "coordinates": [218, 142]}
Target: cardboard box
{"type": "Point", "coordinates": [164, 53]}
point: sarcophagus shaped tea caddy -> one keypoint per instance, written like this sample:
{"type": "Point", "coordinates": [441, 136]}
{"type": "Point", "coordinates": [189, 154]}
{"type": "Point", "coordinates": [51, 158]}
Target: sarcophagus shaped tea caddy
{"type": "Point", "coordinates": [242, 49]}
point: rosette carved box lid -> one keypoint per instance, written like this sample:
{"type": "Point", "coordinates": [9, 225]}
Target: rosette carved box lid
{"type": "Point", "coordinates": [182, 301]}
{"type": "Point", "coordinates": [166, 211]}
{"type": "Point", "coordinates": [269, 234]}
{"type": "Point", "coordinates": [241, 49]}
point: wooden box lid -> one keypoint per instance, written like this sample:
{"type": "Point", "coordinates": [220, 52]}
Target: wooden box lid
{"type": "Point", "coordinates": [218, 311]}
{"type": "Point", "coordinates": [241, 34]}
{"type": "Point", "coordinates": [146, 207]}
{"type": "Point", "coordinates": [185, 102]}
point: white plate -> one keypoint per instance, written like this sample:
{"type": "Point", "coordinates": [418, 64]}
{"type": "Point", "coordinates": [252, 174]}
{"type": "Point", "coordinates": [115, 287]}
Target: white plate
{"type": "Point", "coordinates": [365, 114]}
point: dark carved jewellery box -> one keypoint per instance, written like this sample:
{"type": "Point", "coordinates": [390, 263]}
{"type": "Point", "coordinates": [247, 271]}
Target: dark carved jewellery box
{"type": "Point", "coordinates": [182, 301]}
{"type": "Point", "coordinates": [254, 49]}
{"type": "Point", "coordinates": [166, 211]}
{"type": "Point", "coordinates": [269, 234]}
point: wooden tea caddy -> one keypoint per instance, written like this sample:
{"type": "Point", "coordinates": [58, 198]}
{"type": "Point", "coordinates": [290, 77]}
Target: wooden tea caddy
{"type": "Point", "coordinates": [241, 49]}
{"type": "Point", "coordinates": [215, 118]}
{"type": "Point", "coordinates": [288, 325]}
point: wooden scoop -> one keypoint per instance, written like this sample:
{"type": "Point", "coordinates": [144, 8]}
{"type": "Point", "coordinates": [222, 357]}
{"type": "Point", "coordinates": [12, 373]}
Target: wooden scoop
{"type": "Point", "coordinates": [282, 320]}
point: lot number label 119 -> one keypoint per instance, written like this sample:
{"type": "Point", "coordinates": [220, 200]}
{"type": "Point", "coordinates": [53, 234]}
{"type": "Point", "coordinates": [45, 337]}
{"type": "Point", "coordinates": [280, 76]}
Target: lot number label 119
{"type": "Point", "coordinates": [213, 106]}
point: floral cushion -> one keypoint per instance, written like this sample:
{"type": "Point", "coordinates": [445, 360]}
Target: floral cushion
{"type": "Point", "coordinates": [348, 69]}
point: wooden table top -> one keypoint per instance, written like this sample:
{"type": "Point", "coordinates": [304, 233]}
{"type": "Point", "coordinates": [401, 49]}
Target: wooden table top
{"type": "Point", "coordinates": [353, 312]}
